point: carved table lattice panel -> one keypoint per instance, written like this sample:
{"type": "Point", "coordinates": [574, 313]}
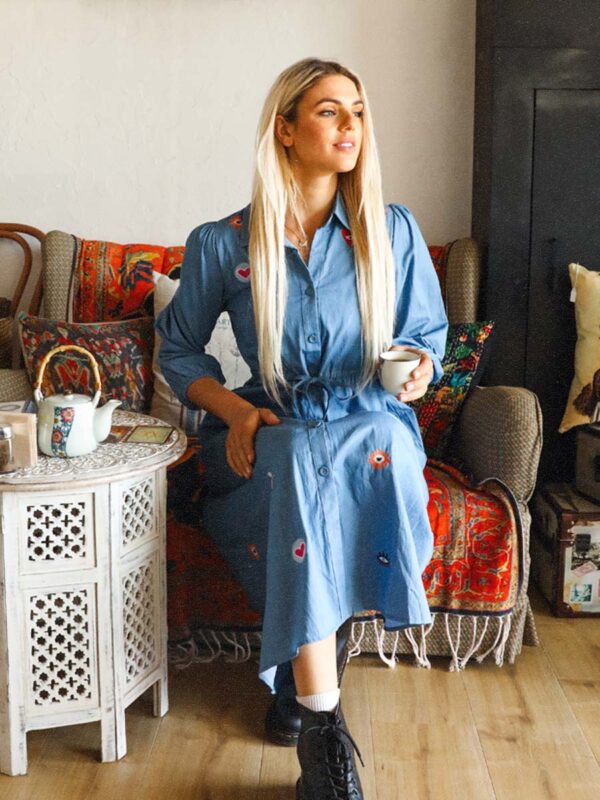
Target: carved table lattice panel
{"type": "Point", "coordinates": [138, 512]}
{"type": "Point", "coordinates": [62, 650]}
{"type": "Point", "coordinates": [140, 621]}
{"type": "Point", "coordinates": [57, 532]}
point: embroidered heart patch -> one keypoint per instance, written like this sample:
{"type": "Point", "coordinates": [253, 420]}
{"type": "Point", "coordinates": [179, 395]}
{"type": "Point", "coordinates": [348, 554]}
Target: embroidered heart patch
{"type": "Point", "coordinates": [299, 550]}
{"type": "Point", "coordinates": [347, 236]}
{"type": "Point", "coordinates": [242, 272]}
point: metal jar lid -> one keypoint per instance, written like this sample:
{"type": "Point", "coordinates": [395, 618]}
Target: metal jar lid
{"type": "Point", "coordinates": [5, 432]}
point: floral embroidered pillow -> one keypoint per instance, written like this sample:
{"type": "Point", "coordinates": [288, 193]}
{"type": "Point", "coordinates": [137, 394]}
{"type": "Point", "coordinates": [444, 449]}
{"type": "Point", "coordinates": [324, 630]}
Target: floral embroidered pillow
{"type": "Point", "coordinates": [467, 352]}
{"type": "Point", "coordinates": [122, 349]}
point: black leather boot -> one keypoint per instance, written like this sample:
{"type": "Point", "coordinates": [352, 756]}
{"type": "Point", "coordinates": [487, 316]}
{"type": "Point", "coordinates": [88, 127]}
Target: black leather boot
{"type": "Point", "coordinates": [282, 723]}
{"type": "Point", "coordinates": [326, 756]}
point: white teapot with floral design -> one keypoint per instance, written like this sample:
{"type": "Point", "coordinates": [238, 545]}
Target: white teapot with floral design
{"type": "Point", "coordinates": [71, 424]}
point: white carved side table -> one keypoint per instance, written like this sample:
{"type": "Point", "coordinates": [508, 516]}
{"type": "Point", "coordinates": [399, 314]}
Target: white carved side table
{"type": "Point", "coordinates": [83, 629]}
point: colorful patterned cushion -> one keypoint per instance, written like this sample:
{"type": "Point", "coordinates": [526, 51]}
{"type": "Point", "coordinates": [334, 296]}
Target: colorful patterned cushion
{"type": "Point", "coordinates": [467, 352]}
{"type": "Point", "coordinates": [123, 351]}
{"type": "Point", "coordinates": [114, 281]}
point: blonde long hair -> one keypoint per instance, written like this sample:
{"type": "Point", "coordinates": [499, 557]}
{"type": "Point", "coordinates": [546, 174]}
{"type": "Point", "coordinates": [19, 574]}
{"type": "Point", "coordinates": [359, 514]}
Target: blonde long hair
{"type": "Point", "coordinates": [275, 189]}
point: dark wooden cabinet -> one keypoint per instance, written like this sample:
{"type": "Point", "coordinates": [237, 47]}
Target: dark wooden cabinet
{"type": "Point", "coordinates": [536, 193]}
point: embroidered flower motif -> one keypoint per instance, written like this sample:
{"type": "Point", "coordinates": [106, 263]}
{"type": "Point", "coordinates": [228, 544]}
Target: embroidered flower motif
{"type": "Point", "coordinates": [299, 550]}
{"type": "Point", "coordinates": [242, 272]}
{"type": "Point", "coordinates": [236, 221]}
{"type": "Point", "coordinates": [383, 559]}
{"type": "Point", "coordinates": [379, 459]}
{"type": "Point", "coordinates": [254, 552]}
{"type": "Point", "coordinates": [347, 237]}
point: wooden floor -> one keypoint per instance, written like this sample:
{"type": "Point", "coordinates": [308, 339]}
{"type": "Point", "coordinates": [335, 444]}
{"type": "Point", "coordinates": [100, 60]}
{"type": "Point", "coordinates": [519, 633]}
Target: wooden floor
{"type": "Point", "coordinates": [531, 730]}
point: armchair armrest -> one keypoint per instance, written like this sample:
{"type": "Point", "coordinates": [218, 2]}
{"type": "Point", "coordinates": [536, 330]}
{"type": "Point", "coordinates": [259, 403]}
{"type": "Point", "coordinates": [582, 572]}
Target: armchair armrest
{"type": "Point", "coordinates": [14, 385]}
{"type": "Point", "coordinates": [499, 434]}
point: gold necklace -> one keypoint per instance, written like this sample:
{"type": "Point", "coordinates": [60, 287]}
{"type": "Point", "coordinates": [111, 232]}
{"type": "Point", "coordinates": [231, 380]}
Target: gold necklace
{"type": "Point", "coordinates": [302, 244]}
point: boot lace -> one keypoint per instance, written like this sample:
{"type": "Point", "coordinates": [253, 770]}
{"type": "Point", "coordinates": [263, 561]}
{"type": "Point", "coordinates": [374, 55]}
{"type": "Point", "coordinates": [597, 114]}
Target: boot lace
{"type": "Point", "coordinates": [338, 769]}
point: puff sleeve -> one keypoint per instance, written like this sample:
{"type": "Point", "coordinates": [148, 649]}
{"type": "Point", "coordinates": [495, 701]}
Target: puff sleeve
{"type": "Point", "coordinates": [186, 324]}
{"type": "Point", "coordinates": [421, 319]}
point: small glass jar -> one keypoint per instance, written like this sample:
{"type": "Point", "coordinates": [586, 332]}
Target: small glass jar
{"type": "Point", "coordinates": [7, 461]}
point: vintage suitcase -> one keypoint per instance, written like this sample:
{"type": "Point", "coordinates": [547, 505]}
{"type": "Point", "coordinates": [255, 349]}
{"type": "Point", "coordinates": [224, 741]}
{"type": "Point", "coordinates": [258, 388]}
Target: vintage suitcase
{"type": "Point", "coordinates": [565, 550]}
{"type": "Point", "coordinates": [587, 465]}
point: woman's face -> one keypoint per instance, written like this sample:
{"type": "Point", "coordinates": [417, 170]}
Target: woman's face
{"type": "Point", "coordinates": [329, 114]}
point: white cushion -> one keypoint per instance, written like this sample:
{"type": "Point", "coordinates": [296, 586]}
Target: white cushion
{"type": "Point", "coordinates": [222, 346]}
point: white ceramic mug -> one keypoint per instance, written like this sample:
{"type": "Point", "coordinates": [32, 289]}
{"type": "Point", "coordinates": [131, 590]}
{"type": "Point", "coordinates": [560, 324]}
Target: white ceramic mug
{"type": "Point", "coordinates": [396, 369]}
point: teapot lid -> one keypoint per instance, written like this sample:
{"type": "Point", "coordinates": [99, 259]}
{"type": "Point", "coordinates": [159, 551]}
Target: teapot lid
{"type": "Point", "coordinates": [69, 399]}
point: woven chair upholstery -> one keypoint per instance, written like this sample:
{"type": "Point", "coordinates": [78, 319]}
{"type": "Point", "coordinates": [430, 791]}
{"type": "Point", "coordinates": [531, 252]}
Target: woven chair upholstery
{"type": "Point", "coordinates": [462, 281]}
{"type": "Point", "coordinates": [499, 434]}
{"type": "Point", "coordinates": [59, 259]}
{"type": "Point", "coordinates": [14, 385]}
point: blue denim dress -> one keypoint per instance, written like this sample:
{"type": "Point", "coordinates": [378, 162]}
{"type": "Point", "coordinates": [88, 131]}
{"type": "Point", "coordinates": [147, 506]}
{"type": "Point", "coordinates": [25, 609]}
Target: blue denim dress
{"type": "Point", "coordinates": [334, 518]}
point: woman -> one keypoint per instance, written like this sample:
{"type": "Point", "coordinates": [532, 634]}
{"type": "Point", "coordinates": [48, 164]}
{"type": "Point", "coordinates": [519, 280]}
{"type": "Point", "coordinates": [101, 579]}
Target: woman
{"type": "Point", "coordinates": [315, 486]}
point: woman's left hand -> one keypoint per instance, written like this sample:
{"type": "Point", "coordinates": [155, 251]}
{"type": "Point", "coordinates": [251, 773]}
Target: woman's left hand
{"type": "Point", "coordinates": [420, 377]}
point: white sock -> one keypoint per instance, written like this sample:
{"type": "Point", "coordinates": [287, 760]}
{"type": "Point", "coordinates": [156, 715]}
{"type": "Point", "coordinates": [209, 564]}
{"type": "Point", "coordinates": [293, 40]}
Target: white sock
{"type": "Point", "coordinates": [324, 701]}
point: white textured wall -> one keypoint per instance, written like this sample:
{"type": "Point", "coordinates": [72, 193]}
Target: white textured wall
{"type": "Point", "coordinates": [134, 120]}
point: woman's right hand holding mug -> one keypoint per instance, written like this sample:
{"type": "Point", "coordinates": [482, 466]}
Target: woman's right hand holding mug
{"type": "Point", "coordinates": [239, 444]}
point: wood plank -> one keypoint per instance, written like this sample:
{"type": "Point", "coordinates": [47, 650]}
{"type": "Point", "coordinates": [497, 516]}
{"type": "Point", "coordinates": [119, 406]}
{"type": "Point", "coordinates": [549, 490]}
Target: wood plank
{"type": "Point", "coordinates": [210, 744]}
{"type": "Point", "coordinates": [571, 646]}
{"type": "Point", "coordinates": [584, 698]}
{"type": "Point", "coordinates": [533, 744]}
{"type": "Point", "coordinates": [63, 763]}
{"type": "Point", "coordinates": [20, 788]}
{"type": "Point", "coordinates": [573, 649]}
{"type": "Point", "coordinates": [356, 704]}
{"type": "Point", "coordinates": [123, 778]}
{"type": "Point", "coordinates": [424, 734]}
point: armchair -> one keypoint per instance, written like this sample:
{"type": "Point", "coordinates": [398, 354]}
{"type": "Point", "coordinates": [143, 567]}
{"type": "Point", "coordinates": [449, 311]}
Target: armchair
{"type": "Point", "coordinates": [498, 435]}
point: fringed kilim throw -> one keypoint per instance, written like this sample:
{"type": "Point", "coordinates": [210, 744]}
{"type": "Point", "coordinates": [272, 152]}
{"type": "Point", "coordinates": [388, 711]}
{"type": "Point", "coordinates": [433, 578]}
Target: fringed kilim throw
{"type": "Point", "coordinates": [476, 571]}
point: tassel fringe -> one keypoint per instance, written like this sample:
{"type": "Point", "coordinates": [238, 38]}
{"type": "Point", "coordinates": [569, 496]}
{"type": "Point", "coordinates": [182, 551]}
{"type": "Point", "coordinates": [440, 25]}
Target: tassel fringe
{"type": "Point", "coordinates": [354, 643]}
{"type": "Point", "coordinates": [236, 647]}
{"type": "Point", "coordinates": [207, 645]}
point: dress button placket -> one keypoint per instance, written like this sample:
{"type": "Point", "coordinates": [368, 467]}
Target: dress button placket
{"type": "Point", "coordinates": [310, 306]}
{"type": "Point", "coordinates": [331, 534]}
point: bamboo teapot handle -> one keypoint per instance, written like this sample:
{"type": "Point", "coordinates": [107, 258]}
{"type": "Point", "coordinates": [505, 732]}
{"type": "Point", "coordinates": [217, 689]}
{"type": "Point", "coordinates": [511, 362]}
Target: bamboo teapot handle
{"type": "Point", "coordinates": [37, 390]}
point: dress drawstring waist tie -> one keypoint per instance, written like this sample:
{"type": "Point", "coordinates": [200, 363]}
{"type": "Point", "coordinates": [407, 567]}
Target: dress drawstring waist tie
{"type": "Point", "coordinates": [326, 387]}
